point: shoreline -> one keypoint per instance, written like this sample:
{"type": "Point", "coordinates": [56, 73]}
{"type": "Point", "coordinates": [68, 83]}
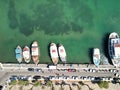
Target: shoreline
{"type": "Point", "coordinates": [58, 66]}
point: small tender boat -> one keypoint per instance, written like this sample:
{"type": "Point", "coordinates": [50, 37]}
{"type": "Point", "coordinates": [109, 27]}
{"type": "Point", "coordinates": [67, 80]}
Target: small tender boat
{"type": "Point", "coordinates": [35, 52]}
{"type": "Point", "coordinates": [96, 56]}
{"type": "Point", "coordinates": [26, 54]}
{"type": "Point", "coordinates": [18, 52]}
{"type": "Point", "coordinates": [62, 53]}
{"type": "Point", "coordinates": [54, 53]}
{"type": "Point", "coordinates": [114, 48]}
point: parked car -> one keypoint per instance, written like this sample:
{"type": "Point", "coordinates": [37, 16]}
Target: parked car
{"type": "Point", "coordinates": [71, 70]}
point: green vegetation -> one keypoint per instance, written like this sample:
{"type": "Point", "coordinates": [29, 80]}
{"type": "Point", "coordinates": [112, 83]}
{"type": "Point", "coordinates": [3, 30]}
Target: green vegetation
{"type": "Point", "coordinates": [23, 82]}
{"type": "Point", "coordinates": [103, 84]}
{"type": "Point", "coordinates": [49, 83]}
{"type": "Point", "coordinates": [36, 83]}
{"type": "Point", "coordinates": [14, 82]}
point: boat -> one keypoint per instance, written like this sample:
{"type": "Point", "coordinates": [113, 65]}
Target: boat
{"type": "Point", "coordinates": [18, 52]}
{"type": "Point", "coordinates": [26, 54]}
{"type": "Point", "coordinates": [54, 53]}
{"type": "Point", "coordinates": [114, 48]}
{"type": "Point", "coordinates": [35, 52]}
{"type": "Point", "coordinates": [96, 56]}
{"type": "Point", "coordinates": [62, 53]}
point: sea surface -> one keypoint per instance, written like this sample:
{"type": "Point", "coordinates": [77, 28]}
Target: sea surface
{"type": "Point", "coordinates": [80, 25]}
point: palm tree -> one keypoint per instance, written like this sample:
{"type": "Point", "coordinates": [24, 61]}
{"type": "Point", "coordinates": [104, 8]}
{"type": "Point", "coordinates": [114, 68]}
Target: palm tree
{"type": "Point", "coordinates": [61, 88]}
{"type": "Point", "coordinates": [43, 87]}
{"type": "Point", "coordinates": [70, 87]}
{"type": "Point", "coordinates": [31, 88]}
{"type": "Point", "coordinates": [79, 88]}
{"type": "Point", "coordinates": [81, 83]}
{"type": "Point", "coordinates": [21, 88]}
{"type": "Point", "coordinates": [53, 88]}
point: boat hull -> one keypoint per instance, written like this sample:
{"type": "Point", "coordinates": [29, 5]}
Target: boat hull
{"type": "Point", "coordinates": [18, 52]}
{"type": "Point", "coordinates": [62, 53]}
{"type": "Point", "coordinates": [54, 53]}
{"type": "Point", "coordinates": [114, 48]}
{"type": "Point", "coordinates": [96, 56]}
{"type": "Point", "coordinates": [35, 52]}
{"type": "Point", "coordinates": [26, 54]}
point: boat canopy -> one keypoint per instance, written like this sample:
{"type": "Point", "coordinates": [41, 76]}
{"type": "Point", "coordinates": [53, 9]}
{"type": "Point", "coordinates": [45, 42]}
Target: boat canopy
{"type": "Point", "coordinates": [53, 51]}
{"type": "Point", "coordinates": [17, 50]}
{"type": "Point", "coordinates": [116, 40]}
{"type": "Point", "coordinates": [117, 50]}
{"type": "Point", "coordinates": [35, 51]}
{"type": "Point", "coordinates": [26, 54]}
{"type": "Point", "coordinates": [18, 56]}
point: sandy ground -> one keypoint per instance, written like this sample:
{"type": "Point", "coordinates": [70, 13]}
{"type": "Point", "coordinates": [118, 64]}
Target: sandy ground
{"type": "Point", "coordinates": [66, 87]}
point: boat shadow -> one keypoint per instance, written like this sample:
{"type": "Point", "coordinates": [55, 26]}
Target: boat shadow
{"type": "Point", "coordinates": [90, 54]}
{"type": "Point", "coordinates": [105, 46]}
{"type": "Point", "coordinates": [48, 49]}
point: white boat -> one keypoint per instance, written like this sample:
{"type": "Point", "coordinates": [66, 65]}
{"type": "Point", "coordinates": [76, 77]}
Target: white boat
{"type": "Point", "coordinates": [114, 48]}
{"type": "Point", "coordinates": [62, 53]}
{"type": "Point", "coordinates": [18, 52]}
{"type": "Point", "coordinates": [54, 53]}
{"type": "Point", "coordinates": [96, 56]}
{"type": "Point", "coordinates": [26, 54]}
{"type": "Point", "coordinates": [35, 52]}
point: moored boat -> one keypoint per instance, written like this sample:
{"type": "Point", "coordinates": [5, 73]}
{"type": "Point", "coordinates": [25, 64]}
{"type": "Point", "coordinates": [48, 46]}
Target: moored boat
{"type": "Point", "coordinates": [114, 48]}
{"type": "Point", "coordinates": [62, 53]}
{"type": "Point", "coordinates": [96, 56]}
{"type": "Point", "coordinates": [18, 52]}
{"type": "Point", "coordinates": [26, 54]}
{"type": "Point", "coordinates": [35, 52]}
{"type": "Point", "coordinates": [54, 53]}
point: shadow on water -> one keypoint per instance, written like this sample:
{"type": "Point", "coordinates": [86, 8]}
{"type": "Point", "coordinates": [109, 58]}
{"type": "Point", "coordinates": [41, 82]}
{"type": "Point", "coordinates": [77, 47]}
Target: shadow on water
{"type": "Point", "coordinates": [105, 46]}
{"type": "Point", "coordinates": [1, 87]}
{"type": "Point", "coordinates": [90, 54]}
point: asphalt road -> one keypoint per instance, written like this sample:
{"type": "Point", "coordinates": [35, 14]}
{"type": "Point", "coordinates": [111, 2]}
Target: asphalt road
{"type": "Point", "coordinates": [6, 73]}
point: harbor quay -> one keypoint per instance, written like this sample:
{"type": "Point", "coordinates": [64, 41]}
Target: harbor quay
{"type": "Point", "coordinates": [73, 72]}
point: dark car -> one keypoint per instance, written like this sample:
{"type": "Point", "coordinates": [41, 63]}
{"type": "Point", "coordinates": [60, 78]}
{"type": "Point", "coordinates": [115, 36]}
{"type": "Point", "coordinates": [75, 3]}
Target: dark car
{"type": "Point", "coordinates": [30, 69]}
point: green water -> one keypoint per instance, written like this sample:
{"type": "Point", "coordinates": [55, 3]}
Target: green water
{"type": "Point", "coordinates": [79, 25]}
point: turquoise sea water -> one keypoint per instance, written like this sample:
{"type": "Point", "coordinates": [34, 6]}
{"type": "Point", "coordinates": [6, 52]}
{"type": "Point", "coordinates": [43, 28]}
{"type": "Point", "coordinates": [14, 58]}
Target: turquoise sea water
{"type": "Point", "coordinates": [79, 25]}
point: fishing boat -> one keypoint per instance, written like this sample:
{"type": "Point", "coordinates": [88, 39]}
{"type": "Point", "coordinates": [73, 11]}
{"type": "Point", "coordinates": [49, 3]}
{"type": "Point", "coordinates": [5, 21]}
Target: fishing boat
{"type": "Point", "coordinates": [62, 53]}
{"type": "Point", "coordinates": [114, 48]}
{"type": "Point", "coordinates": [54, 53]}
{"type": "Point", "coordinates": [26, 54]}
{"type": "Point", "coordinates": [96, 56]}
{"type": "Point", "coordinates": [18, 52]}
{"type": "Point", "coordinates": [35, 52]}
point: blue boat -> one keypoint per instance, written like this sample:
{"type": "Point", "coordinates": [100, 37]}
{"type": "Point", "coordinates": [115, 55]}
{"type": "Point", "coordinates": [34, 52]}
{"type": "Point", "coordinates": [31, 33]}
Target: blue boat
{"type": "Point", "coordinates": [18, 52]}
